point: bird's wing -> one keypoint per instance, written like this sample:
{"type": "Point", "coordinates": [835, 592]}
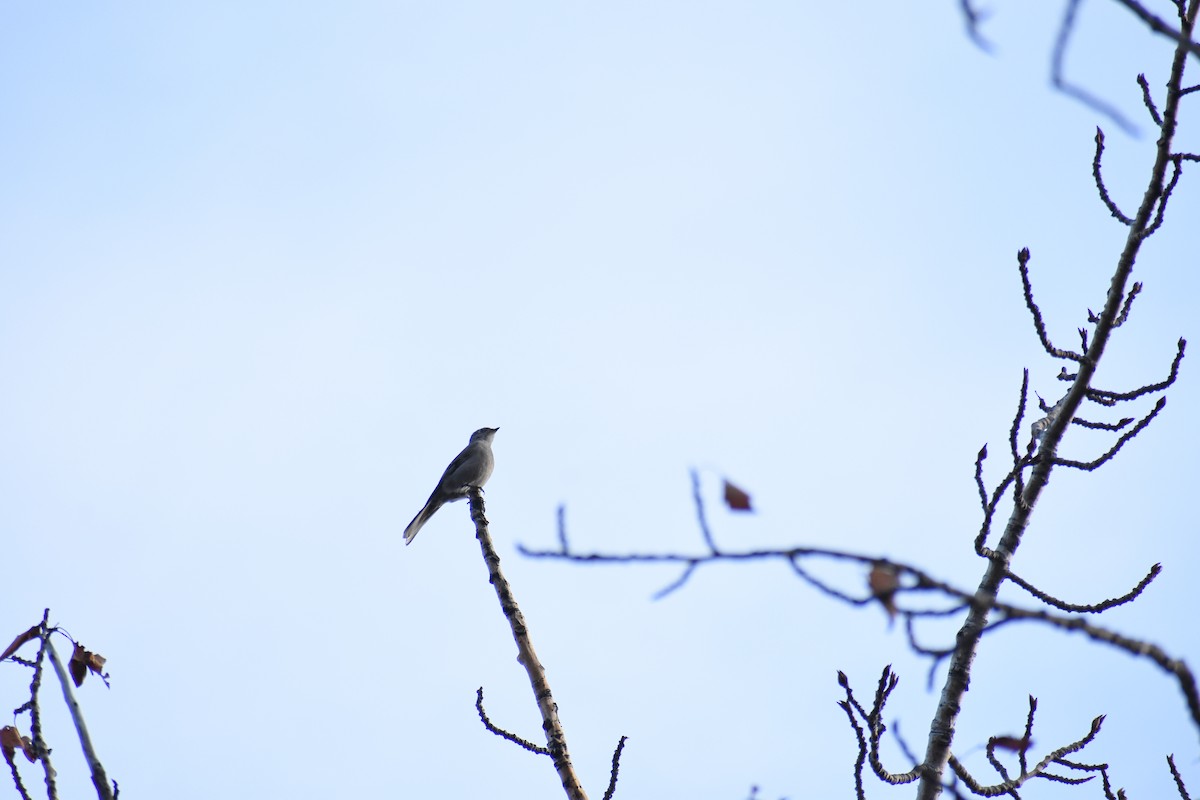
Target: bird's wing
{"type": "Point", "coordinates": [448, 481]}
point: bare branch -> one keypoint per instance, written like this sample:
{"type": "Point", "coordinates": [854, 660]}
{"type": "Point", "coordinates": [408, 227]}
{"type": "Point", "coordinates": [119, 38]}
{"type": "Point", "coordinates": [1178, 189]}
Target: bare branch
{"type": "Point", "coordinates": [1108, 201]}
{"type": "Point", "coordinates": [1018, 484]}
{"type": "Point", "coordinates": [677, 583]}
{"type": "Point", "coordinates": [1009, 786]}
{"type": "Point", "coordinates": [983, 498]}
{"type": "Point", "coordinates": [1096, 608]}
{"type": "Point", "coordinates": [973, 17]}
{"type": "Point", "coordinates": [562, 527]}
{"type": "Point", "coordinates": [35, 715]}
{"type": "Point", "coordinates": [1175, 667]}
{"type": "Point", "coordinates": [1148, 99]}
{"type": "Point", "coordinates": [1158, 26]}
{"type": "Point", "coordinates": [869, 746]}
{"type": "Point", "coordinates": [1179, 785]}
{"type": "Point", "coordinates": [1134, 290]}
{"type": "Point", "coordinates": [556, 739]}
{"type": "Point", "coordinates": [700, 517]}
{"type": "Point", "coordinates": [616, 766]}
{"type": "Point", "coordinates": [1103, 426]}
{"type": "Point", "coordinates": [859, 762]}
{"type": "Point", "coordinates": [1177, 162]}
{"type": "Point", "coordinates": [503, 734]}
{"type": "Point", "coordinates": [1038, 323]}
{"type": "Point", "coordinates": [1088, 466]}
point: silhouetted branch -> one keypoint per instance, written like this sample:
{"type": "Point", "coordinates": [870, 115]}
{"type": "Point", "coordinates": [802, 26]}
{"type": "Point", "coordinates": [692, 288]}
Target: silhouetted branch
{"type": "Point", "coordinates": [1038, 323]}
{"type": "Point", "coordinates": [825, 588]}
{"type": "Point", "coordinates": [562, 526]}
{"type": "Point", "coordinates": [16, 775]}
{"type": "Point", "coordinates": [1010, 785]}
{"type": "Point", "coordinates": [1134, 291]}
{"type": "Point", "coordinates": [1014, 431]}
{"type": "Point", "coordinates": [1102, 426]}
{"type": "Point", "coordinates": [556, 740]}
{"type": "Point", "coordinates": [1148, 99]}
{"type": "Point", "coordinates": [1173, 373]}
{"type": "Point", "coordinates": [1158, 26]}
{"type": "Point", "coordinates": [973, 18]}
{"type": "Point", "coordinates": [868, 747]}
{"type": "Point", "coordinates": [700, 518]}
{"type": "Point", "coordinates": [1179, 785]}
{"type": "Point", "coordinates": [616, 766]}
{"type": "Point", "coordinates": [1095, 608]}
{"type": "Point", "coordinates": [1174, 666]}
{"type": "Point", "coordinates": [979, 459]}
{"type": "Point", "coordinates": [990, 504]}
{"type": "Point", "coordinates": [1134, 431]}
{"type": "Point", "coordinates": [1177, 164]}
{"type": "Point", "coordinates": [1108, 201]}
{"type": "Point", "coordinates": [40, 748]}
{"type": "Point", "coordinates": [503, 734]}
{"type": "Point", "coordinates": [861, 760]}
{"type": "Point", "coordinates": [678, 582]}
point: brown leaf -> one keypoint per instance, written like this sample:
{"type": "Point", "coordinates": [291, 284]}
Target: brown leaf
{"type": "Point", "coordinates": [11, 739]}
{"type": "Point", "coordinates": [78, 665]}
{"type": "Point", "coordinates": [1011, 743]}
{"type": "Point", "coordinates": [20, 640]}
{"type": "Point", "coordinates": [883, 581]}
{"type": "Point", "coordinates": [83, 660]}
{"type": "Point", "coordinates": [736, 498]}
{"type": "Point", "coordinates": [93, 661]}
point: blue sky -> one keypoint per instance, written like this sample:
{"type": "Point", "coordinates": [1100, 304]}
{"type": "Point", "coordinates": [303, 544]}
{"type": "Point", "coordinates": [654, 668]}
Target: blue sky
{"type": "Point", "coordinates": [265, 267]}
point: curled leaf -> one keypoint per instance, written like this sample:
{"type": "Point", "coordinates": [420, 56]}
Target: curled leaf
{"type": "Point", "coordinates": [1013, 743]}
{"type": "Point", "coordinates": [736, 498]}
{"type": "Point", "coordinates": [20, 640]}
{"type": "Point", "coordinates": [883, 582]}
{"type": "Point", "coordinates": [82, 661]}
{"type": "Point", "coordinates": [11, 739]}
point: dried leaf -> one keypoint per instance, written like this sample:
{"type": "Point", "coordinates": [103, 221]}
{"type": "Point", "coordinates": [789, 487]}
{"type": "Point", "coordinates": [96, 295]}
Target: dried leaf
{"type": "Point", "coordinates": [883, 581]}
{"type": "Point", "coordinates": [1016, 745]}
{"type": "Point", "coordinates": [32, 633]}
{"type": "Point", "coordinates": [83, 660]}
{"type": "Point", "coordinates": [11, 739]}
{"type": "Point", "coordinates": [736, 498]}
{"type": "Point", "coordinates": [95, 662]}
{"type": "Point", "coordinates": [78, 665]}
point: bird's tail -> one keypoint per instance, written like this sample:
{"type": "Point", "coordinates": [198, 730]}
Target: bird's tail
{"type": "Point", "coordinates": [419, 520]}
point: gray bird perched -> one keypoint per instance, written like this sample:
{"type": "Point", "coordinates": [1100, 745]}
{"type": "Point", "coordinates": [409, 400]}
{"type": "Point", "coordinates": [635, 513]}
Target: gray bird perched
{"type": "Point", "coordinates": [471, 467]}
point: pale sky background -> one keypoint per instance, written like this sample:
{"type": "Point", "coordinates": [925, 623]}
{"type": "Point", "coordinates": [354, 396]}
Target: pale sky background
{"type": "Point", "coordinates": [265, 266]}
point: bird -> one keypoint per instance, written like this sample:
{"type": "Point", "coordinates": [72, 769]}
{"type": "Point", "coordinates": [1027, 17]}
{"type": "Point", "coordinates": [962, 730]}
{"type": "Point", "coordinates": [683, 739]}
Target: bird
{"type": "Point", "coordinates": [472, 467]}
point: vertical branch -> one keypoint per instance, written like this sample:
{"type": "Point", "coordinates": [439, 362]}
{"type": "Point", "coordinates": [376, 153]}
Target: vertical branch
{"type": "Point", "coordinates": [35, 713]}
{"type": "Point", "coordinates": [941, 732]}
{"type": "Point", "coordinates": [99, 778]}
{"type": "Point", "coordinates": [556, 740]}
